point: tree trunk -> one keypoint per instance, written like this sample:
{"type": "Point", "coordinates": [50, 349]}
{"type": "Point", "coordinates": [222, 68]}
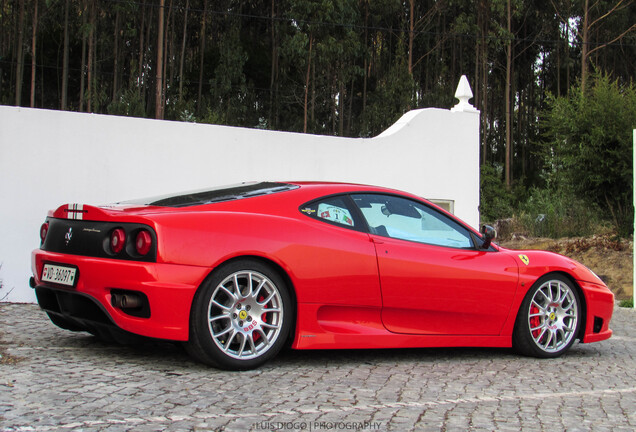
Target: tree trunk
{"type": "Point", "coordinates": [3, 41]}
{"type": "Point", "coordinates": [477, 82]}
{"type": "Point", "coordinates": [411, 34]}
{"type": "Point", "coordinates": [183, 46]}
{"type": "Point", "coordinates": [274, 68]}
{"type": "Point", "coordinates": [142, 79]}
{"type": "Point", "coordinates": [19, 56]}
{"type": "Point", "coordinates": [341, 105]}
{"type": "Point", "coordinates": [159, 65]}
{"type": "Point", "coordinates": [366, 66]}
{"type": "Point", "coordinates": [522, 140]}
{"type": "Point", "coordinates": [453, 74]}
{"type": "Point", "coordinates": [508, 108]}
{"type": "Point", "coordinates": [305, 110]}
{"type": "Point", "coordinates": [202, 58]}
{"type": "Point", "coordinates": [140, 61]}
{"type": "Point", "coordinates": [147, 90]}
{"type": "Point", "coordinates": [351, 93]}
{"type": "Point", "coordinates": [166, 56]}
{"type": "Point", "coordinates": [558, 67]}
{"type": "Point", "coordinates": [83, 67]}
{"type": "Point", "coordinates": [567, 60]}
{"type": "Point", "coordinates": [2, 34]}
{"type": "Point", "coordinates": [115, 55]}
{"type": "Point", "coordinates": [334, 89]}
{"type": "Point", "coordinates": [312, 103]}
{"type": "Point", "coordinates": [170, 49]}
{"type": "Point", "coordinates": [33, 51]}
{"type": "Point", "coordinates": [63, 104]}
{"type": "Point", "coordinates": [483, 73]}
{"type": "Point", "coordinates": [584, 46]}
{"type": "Point", "coordinates": [91, 49]}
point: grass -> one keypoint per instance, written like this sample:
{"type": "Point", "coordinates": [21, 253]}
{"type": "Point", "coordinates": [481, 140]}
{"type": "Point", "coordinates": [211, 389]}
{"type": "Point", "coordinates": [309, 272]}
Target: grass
{"type": "Point", "coordinates": [626, 303]}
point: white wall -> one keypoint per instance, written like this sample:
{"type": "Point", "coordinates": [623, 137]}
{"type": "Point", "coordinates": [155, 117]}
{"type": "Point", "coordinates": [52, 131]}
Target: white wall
{"type": "Point", "coordinates": [48, 158]}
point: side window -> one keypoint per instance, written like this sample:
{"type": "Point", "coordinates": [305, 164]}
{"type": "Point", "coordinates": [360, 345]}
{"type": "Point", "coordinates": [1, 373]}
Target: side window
{"type": "Point", "coordinates": [335, 210]}
{"type": "Point", "coordinates": [404, 219]}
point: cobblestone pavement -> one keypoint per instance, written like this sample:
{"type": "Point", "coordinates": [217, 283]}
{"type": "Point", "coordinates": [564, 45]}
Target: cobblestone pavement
{"type": "Point", "coordinates": [55, 380]}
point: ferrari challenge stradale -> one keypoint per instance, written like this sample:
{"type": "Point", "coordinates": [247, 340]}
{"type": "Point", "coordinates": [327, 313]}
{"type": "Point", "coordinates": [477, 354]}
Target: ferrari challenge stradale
{"type": "Point", "coordinates": [238, 272]}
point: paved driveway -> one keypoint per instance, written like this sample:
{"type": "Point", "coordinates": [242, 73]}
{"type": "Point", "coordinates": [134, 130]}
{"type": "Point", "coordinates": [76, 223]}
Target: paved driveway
{"type": "Point", "coordinates": [55, 380]}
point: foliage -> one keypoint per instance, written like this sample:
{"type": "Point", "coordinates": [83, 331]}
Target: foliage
{"type": "Point", "coordinates": [181, 109]}
{"type": "Point", "coordinates": [251, 61]}
{"type": "Point", "coordinates": [629, 303]}
{"type": "Point", "coordinates": [392, 98]}
{"type": "Point", "coordinates": [228, 86]}
{"type": "Point", "coordinates": [588, 147]}
{"type": "Point", "coordinates": [495, 200]}
{"type": "Point", "coordinates": [538, 212]}
{"type": "Point", "coordinates": [352, 68]}
{"type": "Point", "coordinates": [558, 213]}
{"type": "Point", "coordinates": [129, 103]}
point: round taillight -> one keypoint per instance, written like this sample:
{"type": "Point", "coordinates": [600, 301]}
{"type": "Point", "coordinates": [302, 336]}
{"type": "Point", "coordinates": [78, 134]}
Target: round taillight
{"type": "Point", "coordinates": [117, 240]}
{"type": "Point", "coordinates": [44, 230]}
{"type": "Point", "coordinates": [143, 242]}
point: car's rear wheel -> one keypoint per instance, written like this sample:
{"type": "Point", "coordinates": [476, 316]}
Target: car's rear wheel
{"type": "Point", "coordinates": [241, 316]}
{"type": "Point", "coordinates": [549, 318]}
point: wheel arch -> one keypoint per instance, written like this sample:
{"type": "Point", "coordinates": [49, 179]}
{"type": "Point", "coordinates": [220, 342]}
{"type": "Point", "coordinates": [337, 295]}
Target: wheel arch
{"type": "Point", "coordinates": [579, 290]}
{"type": "Point", "coordinates": [274, 266]}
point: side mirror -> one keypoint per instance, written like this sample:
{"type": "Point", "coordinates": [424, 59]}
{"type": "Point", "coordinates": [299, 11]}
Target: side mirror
{"type": "Point", "coordinates": [488, 233]}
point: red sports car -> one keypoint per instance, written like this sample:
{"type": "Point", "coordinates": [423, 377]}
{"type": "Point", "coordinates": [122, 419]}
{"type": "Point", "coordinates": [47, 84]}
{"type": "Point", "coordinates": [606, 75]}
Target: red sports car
{"type": "Point", "coordinates": [238, 272]}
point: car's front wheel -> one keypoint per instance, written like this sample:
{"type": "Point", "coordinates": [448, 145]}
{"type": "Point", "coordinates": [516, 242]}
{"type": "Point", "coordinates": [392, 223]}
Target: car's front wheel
{"type": "Point", "coordinates": [241, 316]}
{"type": "Point", "coordinates": [549, 318]}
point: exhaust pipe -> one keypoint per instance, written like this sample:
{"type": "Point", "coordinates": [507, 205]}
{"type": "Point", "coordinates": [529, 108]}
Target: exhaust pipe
{"type": "Point", "coordinates": [127, 301]}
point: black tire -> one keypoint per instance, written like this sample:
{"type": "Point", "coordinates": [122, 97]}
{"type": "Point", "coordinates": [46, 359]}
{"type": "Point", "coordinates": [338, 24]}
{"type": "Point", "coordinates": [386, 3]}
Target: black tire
{"type": "Point", "coordinates": [241, 316]}
{"type": "Point", "coordinates": [549, 318]}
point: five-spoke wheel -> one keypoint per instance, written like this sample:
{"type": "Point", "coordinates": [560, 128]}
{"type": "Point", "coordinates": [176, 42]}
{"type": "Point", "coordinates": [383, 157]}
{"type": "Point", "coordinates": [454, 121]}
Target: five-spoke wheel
{"type": "Point", "coordinates": [241, 317]}
{"type": "Point", "coordinates": [549, 318]}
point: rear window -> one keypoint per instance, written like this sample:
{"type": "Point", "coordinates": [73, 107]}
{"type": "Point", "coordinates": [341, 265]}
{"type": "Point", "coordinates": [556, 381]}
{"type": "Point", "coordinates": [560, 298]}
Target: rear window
{"type": "Point", "coordinates": [207, 196]}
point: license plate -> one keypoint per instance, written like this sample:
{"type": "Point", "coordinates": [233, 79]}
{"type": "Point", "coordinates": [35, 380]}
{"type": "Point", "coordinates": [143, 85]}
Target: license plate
{"type": "Point", "coordinates": [59, 274]}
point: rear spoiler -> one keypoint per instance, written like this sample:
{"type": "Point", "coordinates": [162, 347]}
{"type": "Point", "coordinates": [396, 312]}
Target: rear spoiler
{"type": "Point", "coordinates": [79, 212]}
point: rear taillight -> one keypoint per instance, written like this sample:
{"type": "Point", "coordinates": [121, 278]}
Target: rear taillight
{"type": "Point", "coordinates": [44, 230]}
{"type": "Point", "coordinates": [117, 240]}
{"type": "Point", "coordinates": [143, 242]}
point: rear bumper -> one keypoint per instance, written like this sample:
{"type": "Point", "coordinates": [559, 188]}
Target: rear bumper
{"type": "Point", "coordinates": [600, 306]}
{"type": "Point", "coordinates": [168, 288]}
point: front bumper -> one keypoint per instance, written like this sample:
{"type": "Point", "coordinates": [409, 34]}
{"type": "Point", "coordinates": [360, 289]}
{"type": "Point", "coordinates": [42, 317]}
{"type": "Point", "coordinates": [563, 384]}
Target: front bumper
{"type": "Point", "coordinates": [169, 289]}
{"type": "Point", "coordinates": [600, 306]}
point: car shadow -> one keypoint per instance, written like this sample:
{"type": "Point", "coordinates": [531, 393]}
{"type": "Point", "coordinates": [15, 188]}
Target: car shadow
{"type": "Point", "coordinates": [171, 356]}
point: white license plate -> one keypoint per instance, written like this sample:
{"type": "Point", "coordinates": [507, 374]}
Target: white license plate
{"type": "Point", "coordinates": [59, 274]}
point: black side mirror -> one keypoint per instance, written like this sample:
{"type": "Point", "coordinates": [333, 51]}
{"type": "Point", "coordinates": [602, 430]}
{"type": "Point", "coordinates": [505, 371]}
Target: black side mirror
{"type": "Point", "coordinates": [488, 234]}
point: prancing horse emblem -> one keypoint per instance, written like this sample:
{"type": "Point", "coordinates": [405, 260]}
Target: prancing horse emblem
{"type": "Point", "coordinates": [68, 236]}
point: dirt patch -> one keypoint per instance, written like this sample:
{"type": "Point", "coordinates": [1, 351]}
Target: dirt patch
{"type": "Point", "coordinates": [609, 257]}
{"type": "Point", "coordinates": [6, 359]}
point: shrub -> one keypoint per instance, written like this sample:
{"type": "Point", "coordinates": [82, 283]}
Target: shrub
{"type": "Point", "coordinates": [559, 213]}
{"type": "Point", "coordinates": [588, 147]}
{"type": "Point", "coordinates": [495, 200]}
